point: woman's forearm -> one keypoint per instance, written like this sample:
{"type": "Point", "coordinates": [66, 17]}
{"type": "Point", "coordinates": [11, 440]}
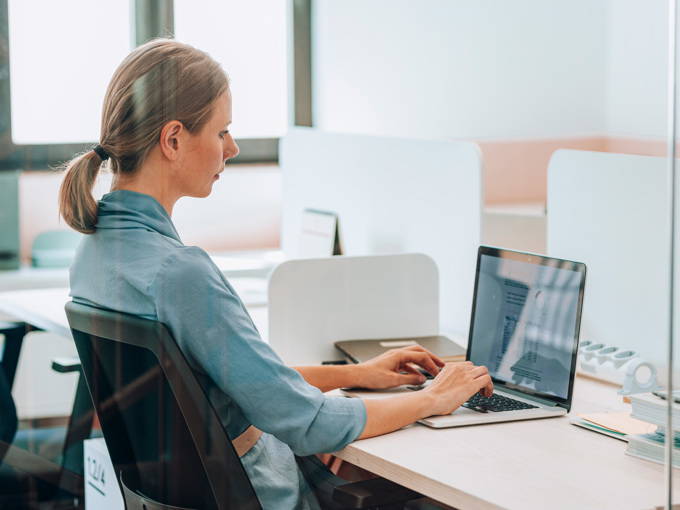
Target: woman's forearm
{"type": "Point", "coordinates": [385, 415]}
{"type": "Point", "coordinates": [449, 390]}
{"type": "Point", "coordinates": [393, 368]}
{"type": "Point", "coordinates": [330, 377]}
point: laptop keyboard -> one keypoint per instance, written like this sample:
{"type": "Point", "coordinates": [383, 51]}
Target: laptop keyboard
{"type": "Point", "coordinates": [495, 403]}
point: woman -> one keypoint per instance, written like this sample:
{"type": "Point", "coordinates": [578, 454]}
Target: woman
{"type": "Point", "coordinates": [165, 132]}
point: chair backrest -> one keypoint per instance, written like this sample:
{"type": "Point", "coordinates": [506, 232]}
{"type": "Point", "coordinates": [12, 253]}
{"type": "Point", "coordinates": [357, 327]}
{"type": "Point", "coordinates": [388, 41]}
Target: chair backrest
{"type": "Point", "coordinates": [159, 426]}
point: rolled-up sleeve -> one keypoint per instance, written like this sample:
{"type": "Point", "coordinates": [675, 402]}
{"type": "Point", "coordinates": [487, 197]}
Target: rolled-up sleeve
{"type": "Point", "coordinates": [217, 335]}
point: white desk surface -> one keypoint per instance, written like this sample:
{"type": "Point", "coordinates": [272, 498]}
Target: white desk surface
{"type": "Point", "coordinates": [28, 277]}
{"type": "Point", "coordinates": [257, 264]}
{"type": "Point", "coordinates": [237, 264]}
{"type": "Point", "coordinates": [535, 464]}
{"type": "Point", "coordinates": [44, 308]}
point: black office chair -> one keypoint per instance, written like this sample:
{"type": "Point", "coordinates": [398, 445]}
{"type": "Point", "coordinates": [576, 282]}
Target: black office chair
{"type": "Point", "coordinates": [167, 445]}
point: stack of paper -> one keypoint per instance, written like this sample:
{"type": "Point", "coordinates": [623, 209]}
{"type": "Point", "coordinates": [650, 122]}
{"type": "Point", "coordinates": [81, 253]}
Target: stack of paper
{"type": "Point", "coordinates": [618, 425]}
{"type": "Point", "coordinates": [652, 447]}
{"type": "Point", "coordinates": [652, 408]}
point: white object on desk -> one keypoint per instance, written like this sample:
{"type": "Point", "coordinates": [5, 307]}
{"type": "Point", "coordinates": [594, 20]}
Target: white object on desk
{"type": "Point", "coordinates": [319, 234]}
{"type": "Point", "coordinates": [640, 378]}
{"type": "Point", "coordinates": [391, 196]}
{"type": "Point", "coordinates": [315, 302]}
{"type": "Point", "coordinates": [611, 211]}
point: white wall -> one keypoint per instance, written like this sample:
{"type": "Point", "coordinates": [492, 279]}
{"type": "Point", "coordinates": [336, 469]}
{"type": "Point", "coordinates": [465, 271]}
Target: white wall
{"type": "Point", "coordinates": [460, 69]}
{"type": "Point", "coordinates": [491, 68]}
{"type": "Point", "coordinates": [637, 63]}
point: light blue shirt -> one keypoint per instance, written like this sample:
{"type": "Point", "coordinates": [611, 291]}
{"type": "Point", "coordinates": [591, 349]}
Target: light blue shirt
{"type": "Point", "coordinates": [136, 263]}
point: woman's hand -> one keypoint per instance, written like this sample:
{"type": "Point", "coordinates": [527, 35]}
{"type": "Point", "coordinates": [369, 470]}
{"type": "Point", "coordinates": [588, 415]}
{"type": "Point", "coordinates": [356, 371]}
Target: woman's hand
{"type": "Point", "coordinates": [384, 371]}
{"type": "Point", "coordinates": [456, 383]}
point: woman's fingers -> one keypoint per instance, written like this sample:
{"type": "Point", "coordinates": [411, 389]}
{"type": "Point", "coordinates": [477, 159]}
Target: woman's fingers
{"type": "Point", "coordinates": [420, 358]}
{"type": "Point", "coordinates": [410, 369]}
{"type": "Point", "coordinates": [487, 389]}
{"type": "Point", "coordinates": [412, 376]}
{"type": "Point", "coordinates": [457, 382]}
{"type": "Point", "coordinates": [418, 348]}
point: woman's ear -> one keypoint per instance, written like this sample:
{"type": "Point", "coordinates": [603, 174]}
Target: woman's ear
{"type": "Point", "coordinates": [171, 138]}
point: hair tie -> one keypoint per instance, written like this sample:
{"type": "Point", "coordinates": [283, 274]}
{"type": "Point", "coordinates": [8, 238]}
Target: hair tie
{"type": "Point", "coordinates": [101, 152]}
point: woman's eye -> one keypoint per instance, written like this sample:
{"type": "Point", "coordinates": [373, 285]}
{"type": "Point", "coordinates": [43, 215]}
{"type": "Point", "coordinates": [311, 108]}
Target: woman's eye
{"type": "Point", "coordinates": [223, 133]}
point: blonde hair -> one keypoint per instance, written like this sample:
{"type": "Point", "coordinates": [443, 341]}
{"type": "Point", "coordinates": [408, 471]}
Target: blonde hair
{"type": "Point", "coordinates": [160, 81]}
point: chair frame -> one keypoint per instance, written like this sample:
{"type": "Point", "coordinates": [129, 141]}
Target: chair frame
{"type": "Point", "coordinates": [206, 428]}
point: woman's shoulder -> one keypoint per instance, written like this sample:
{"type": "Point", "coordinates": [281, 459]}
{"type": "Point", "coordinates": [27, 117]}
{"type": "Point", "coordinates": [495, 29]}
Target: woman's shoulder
{"type": "Point", "coordinates": [189, 262]}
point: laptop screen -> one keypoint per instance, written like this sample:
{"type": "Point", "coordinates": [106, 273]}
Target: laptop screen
{"type": "Point", "coordinates": [526, 317]}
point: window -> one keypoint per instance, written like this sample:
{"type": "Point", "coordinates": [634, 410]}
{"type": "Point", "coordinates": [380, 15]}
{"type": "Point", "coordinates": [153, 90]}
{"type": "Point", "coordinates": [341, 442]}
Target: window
{"type": "Point", "coordinates": [61, 65]}
{"type": "Point", "coordinates": [249, 39]}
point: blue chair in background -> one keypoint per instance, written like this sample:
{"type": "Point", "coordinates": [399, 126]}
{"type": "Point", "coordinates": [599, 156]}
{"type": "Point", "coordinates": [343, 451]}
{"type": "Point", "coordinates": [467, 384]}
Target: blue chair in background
{"type": "Point", "coordinates": [54, 248]}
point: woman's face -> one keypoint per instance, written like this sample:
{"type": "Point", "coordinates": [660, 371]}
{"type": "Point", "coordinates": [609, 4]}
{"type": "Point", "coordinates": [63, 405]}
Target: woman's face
{"type": "Point", "coordinates": [208, 151]}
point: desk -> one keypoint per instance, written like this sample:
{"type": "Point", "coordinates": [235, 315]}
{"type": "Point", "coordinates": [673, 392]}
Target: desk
{"type": "Point", "coordinates": [256, 264]}
{"type": "Point", "coordinates": [535, 464]}
{"type": "Point", "coordinates": [38, 307]}
{"type": "Point", "coordinates": [44, 308]}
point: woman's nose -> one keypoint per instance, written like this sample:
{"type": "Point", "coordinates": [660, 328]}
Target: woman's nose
{"type": "Point", "coordinates": [231, 149]}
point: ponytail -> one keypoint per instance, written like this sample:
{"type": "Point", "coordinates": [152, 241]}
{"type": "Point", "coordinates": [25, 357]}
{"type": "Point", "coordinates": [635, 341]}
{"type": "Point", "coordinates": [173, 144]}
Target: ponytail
{"type": "Point", "coordinates": [160, 81]}
{"type": "Point", "coordinates": [76, 203]}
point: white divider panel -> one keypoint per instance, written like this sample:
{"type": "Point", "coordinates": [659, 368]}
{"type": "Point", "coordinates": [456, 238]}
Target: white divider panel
{"type": "Point", "coordinates": [391, 196]}
{"type": "Point", "coordinates": [315, 302]}
{"type": "Point", "coordinates": [611, 211]}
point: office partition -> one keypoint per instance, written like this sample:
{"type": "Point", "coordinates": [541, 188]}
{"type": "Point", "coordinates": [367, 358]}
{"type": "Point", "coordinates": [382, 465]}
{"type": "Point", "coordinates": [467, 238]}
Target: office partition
{"type": "Point", "coordinates": [315, 302]}
{"type": "Point", "coordinates": [611, 212]}
{"type": "Point", "coordinates": [391, 195]}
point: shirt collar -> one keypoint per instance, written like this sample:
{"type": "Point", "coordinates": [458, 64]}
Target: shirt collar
{"type": "Point", "coordinates": [124, 209]}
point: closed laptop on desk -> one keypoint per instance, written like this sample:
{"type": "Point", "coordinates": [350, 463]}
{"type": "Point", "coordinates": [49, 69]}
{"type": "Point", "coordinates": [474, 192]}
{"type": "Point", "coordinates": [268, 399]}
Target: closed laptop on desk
{"type": "Point", "coordinates": [362, 350]}
{"type": "Point", "coordinates": [525, 324]}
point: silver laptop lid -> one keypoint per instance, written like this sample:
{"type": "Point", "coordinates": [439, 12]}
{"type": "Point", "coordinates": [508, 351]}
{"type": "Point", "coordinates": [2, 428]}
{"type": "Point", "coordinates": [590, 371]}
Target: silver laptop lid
{"type": "Point", "coordinates": [526, 318]}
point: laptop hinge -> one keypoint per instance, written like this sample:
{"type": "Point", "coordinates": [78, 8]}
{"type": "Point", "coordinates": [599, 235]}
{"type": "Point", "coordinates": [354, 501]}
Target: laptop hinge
{"type": "Point", "coordinates": [532, 398]}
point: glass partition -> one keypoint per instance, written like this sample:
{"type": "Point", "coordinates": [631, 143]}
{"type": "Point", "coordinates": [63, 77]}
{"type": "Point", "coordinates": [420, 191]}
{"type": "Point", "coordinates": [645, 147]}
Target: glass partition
{"type": "Point", "coordinates": [526, 80]}
{"type": "Point", "coordinates": [573, 112]}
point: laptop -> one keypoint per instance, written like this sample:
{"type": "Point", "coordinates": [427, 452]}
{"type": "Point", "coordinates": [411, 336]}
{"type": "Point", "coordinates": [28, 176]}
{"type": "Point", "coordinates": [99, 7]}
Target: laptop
{"type": "Point", "coordinates": [526, 318]}
{"type": "Point", "coordinates": [441, 346]}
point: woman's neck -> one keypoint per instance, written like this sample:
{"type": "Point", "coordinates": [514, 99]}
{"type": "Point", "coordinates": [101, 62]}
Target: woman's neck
{"type": "Point", "coordinates": [150, 179]}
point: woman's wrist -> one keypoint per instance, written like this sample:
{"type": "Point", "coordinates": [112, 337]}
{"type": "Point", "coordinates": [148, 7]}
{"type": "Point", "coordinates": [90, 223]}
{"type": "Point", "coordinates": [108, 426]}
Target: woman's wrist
{"type": "Point", "coordinates": [426, 404]}
{"type": "Point", "coordinates": [356, 375]}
